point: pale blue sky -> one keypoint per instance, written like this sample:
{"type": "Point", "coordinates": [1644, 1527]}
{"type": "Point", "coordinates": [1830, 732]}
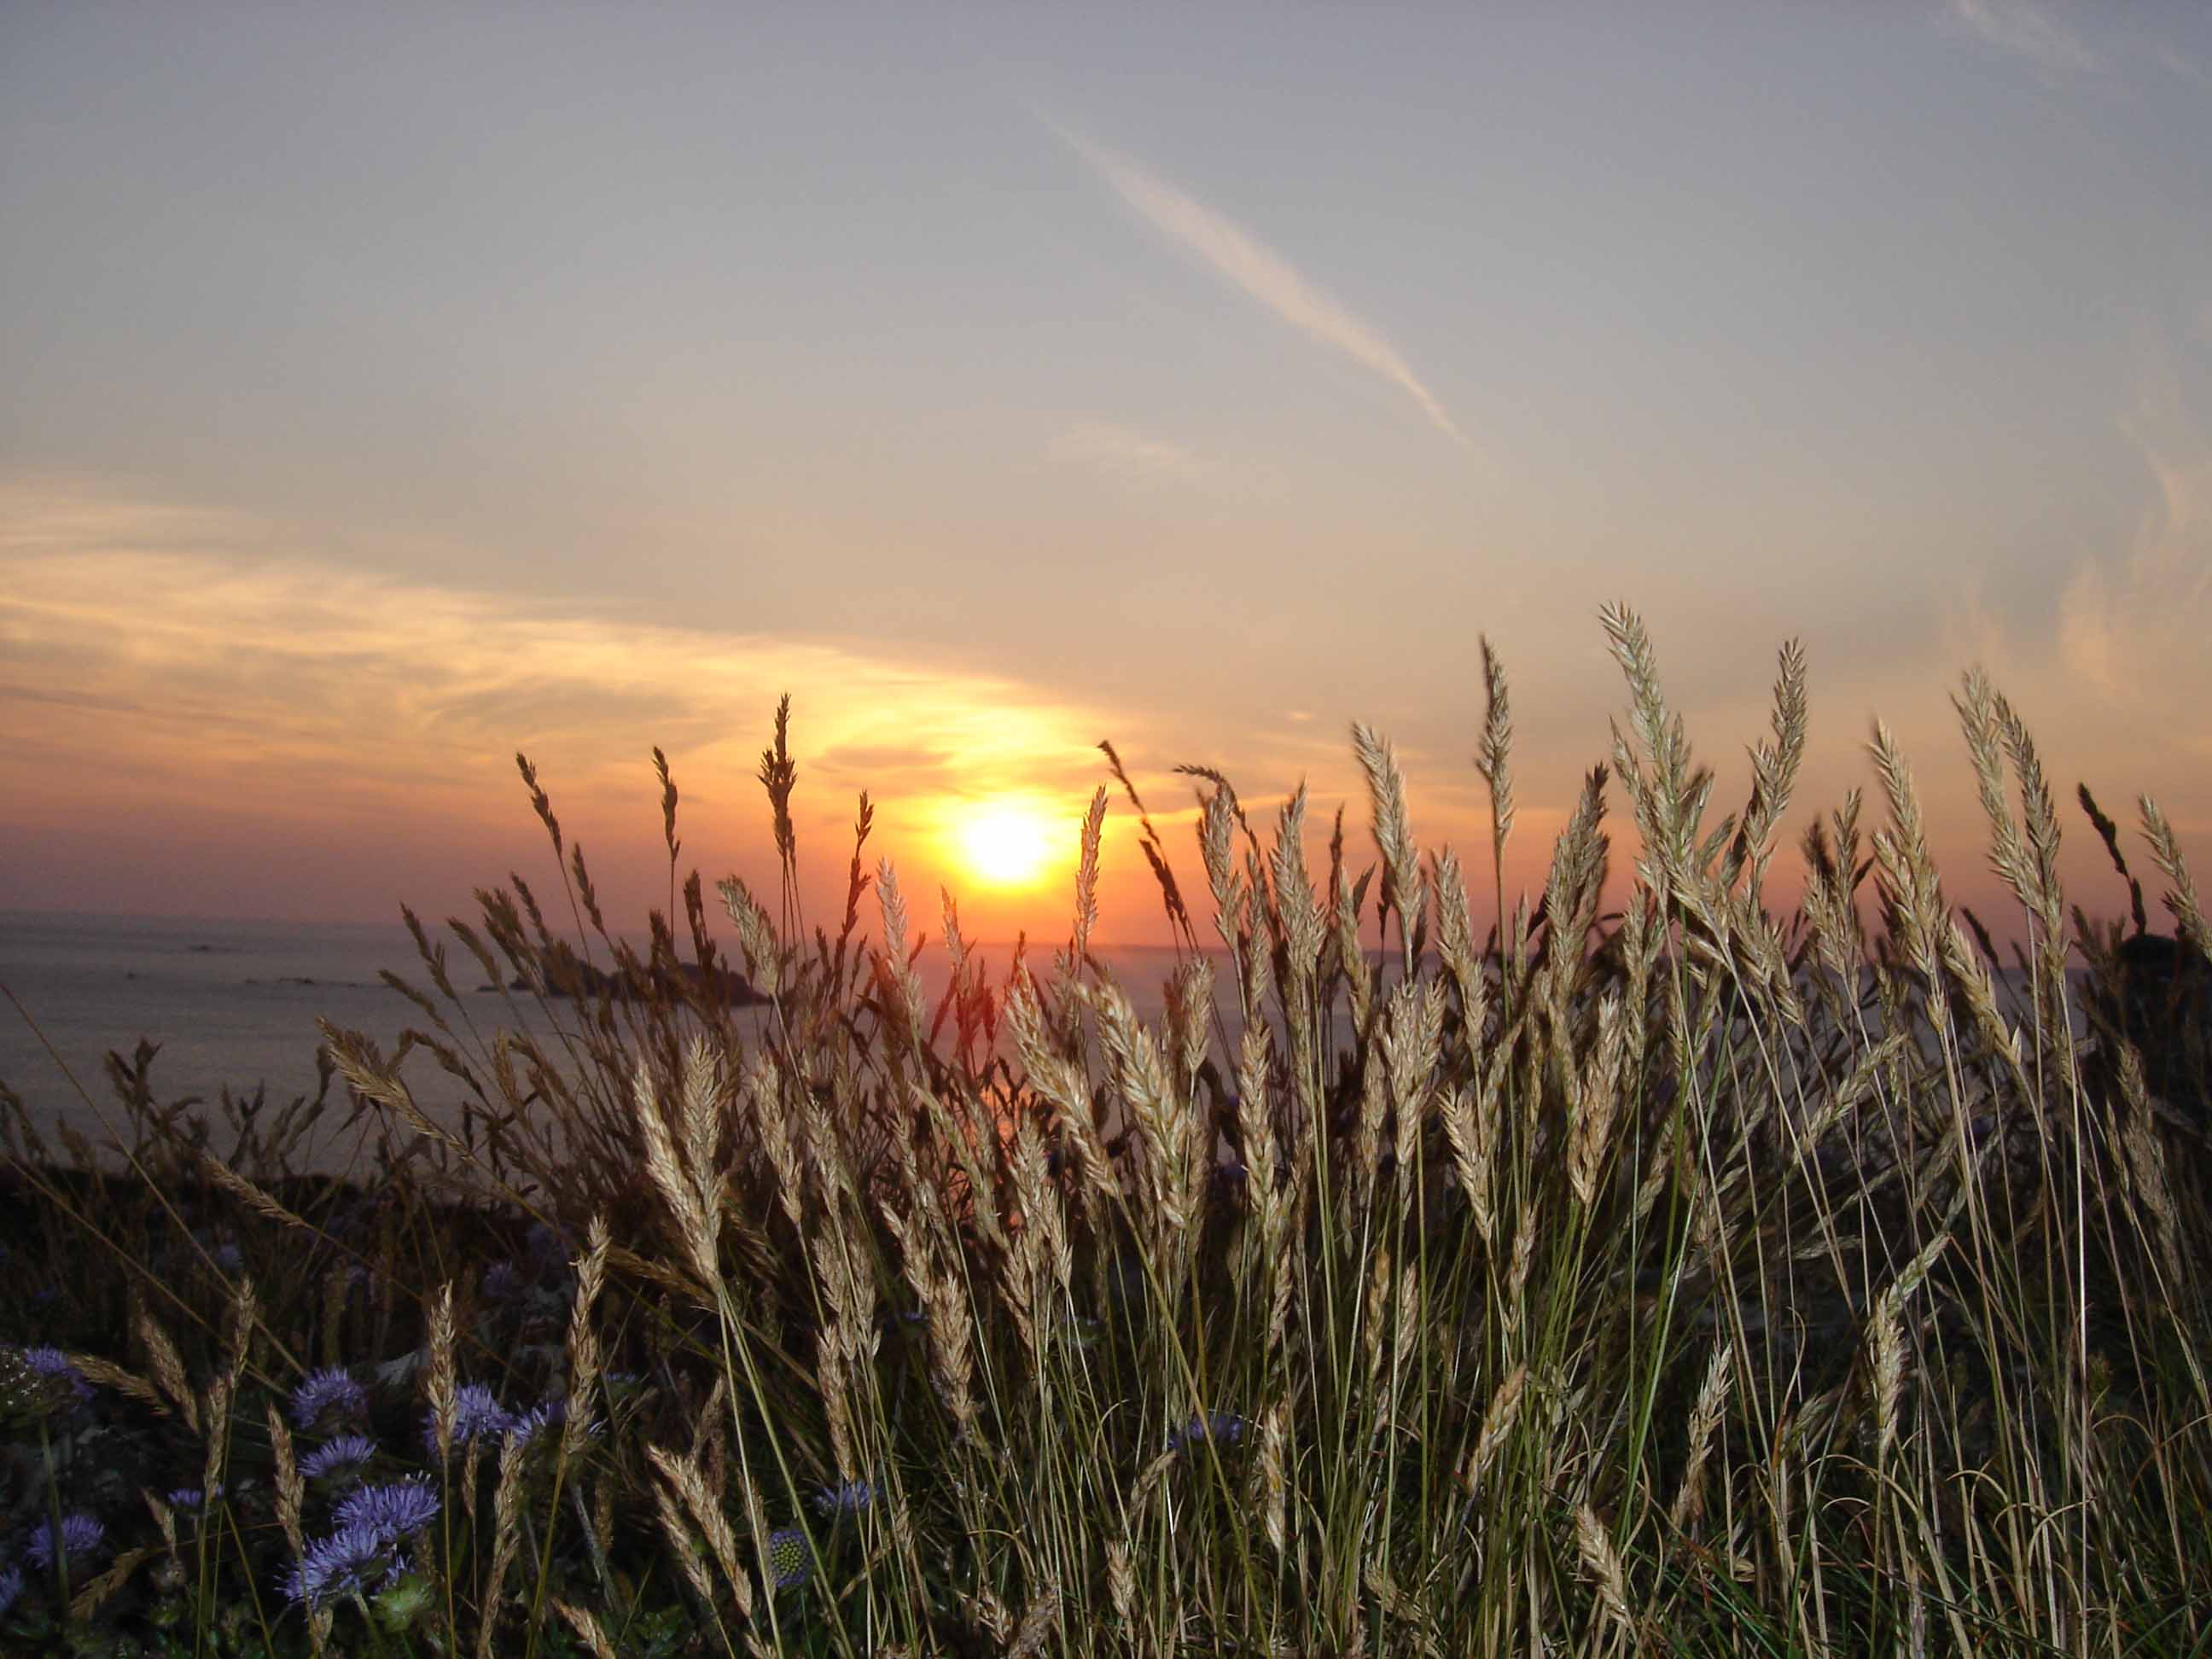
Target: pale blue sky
{"type": "Point", "coordinates": [1204, 378]}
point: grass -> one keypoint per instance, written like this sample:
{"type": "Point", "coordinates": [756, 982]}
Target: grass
{"type": "Point", "coordinates": [1684, 1279]}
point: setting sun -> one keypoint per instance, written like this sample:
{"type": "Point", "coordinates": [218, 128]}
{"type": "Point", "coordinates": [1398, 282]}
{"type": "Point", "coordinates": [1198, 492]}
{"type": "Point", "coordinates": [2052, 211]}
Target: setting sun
{"type": "Point", "coordinates": [1004, 843]}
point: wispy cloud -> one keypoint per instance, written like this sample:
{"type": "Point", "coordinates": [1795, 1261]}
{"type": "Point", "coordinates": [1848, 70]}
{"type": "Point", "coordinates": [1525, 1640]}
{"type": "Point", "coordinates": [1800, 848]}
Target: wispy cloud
{"type": "Point", "coordinates": [1260, 272]}
{"type": "Point", "coordinates": [2176, 62]}
{"type": "Point", "coordinates": [1128, 455]}
{"type": "Point", "coordinates": [1141, 463]}
{"type": "Point", "coordinates": [2119, 680]}
{"type": "Point", "coordinates": [2132, 634]}
{"type": "Point", "coordinates": [2028, 29]}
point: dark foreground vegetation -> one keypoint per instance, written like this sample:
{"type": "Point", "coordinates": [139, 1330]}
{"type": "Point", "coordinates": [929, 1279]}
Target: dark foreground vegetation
{"type": "Point", "coordinates": [1682, 1278]}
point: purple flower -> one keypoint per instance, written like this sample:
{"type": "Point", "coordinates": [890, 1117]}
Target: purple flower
{"type": "Point", "coordinates": [329, 1392]}
{"type": "Point", "coordinates": [848, 1499]}
{"type": "Point", "coordinates": [1224, 1428]}
{"type": "Point", "coordinates": [477, 1411]}
{"type": "Point", "coordinates": [392, 1511]}
{"type": "Point", "coordinates": [548, 1414]}
{"type": "Point", "coordinates": [342, 1455]}
{"type": "Point", "coordinates": [788, 1557]}
{"type": "Point", "coordinates": [341, 1564]}
{"type": "Point", "coordinates": [11, 1586]}
{"type": "Point", "coordinates": [189, 1498]}
{"type": "Point", "coordinates": [500, 1282]}
{"type": "Point", "coordinates": [477, 1414]}
{"type": "Point", "coordinates": [53, 1363]}
{"type": "Point", "coordinates": [550, 1247]}
{"type": "Point", "coordinates": [81, 1536]}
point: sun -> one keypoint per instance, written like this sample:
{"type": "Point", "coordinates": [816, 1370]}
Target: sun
{"type": "Point", "coordinates": [1004, 843]}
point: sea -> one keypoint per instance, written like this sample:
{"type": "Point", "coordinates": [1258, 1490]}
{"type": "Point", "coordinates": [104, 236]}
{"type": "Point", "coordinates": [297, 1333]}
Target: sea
{"type": "Point", "coordinates": [233, 1005]}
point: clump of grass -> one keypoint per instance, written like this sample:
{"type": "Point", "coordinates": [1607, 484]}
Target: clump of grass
{"type": "Point", "coordinates": [1687, 1276]}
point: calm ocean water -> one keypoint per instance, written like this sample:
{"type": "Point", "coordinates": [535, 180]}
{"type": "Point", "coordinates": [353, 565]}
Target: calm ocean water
{"type": "Point", "coordinates": [229, 1003]}
{"type": "Point", "coordinates": [235, 1004]}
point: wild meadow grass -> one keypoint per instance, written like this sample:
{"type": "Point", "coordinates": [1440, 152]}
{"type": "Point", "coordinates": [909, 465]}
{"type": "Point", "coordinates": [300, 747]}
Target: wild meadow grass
{"type": "Point", "coordinates": [1684, 1278]}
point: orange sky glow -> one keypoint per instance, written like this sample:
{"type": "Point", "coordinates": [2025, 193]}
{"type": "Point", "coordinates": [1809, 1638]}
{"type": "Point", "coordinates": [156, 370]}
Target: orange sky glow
{"type": "Point", "coordinates": [227, 734]}
{"type": "Point", "coordinates": [387, 390]}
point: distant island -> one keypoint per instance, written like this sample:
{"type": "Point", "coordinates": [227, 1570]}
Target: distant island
{"type": "Point", "coordinates": [567, 975]}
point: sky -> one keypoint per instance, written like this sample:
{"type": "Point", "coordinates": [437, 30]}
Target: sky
{"type": "Point", "coordinates": [384, 390]}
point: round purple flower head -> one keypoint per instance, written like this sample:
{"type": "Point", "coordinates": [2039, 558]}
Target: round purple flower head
{"type": "Point", "coordinates": [341, 1564]}
{"type": "Point", "coordinates": [547, 1413]}
{"type": "Point", "coordinates": [477, 1413]}
{"type": "Point", "coordinates": [53, 1363]}
{"type": "Point", "coordinates": [1223, 1428]}
{"type": "Point", "coordinates": [342, 1455]}
{"type": "Point", "coordinates": [390, 1511]}
{"type": "Point", "coordinates": [788, 1557]}
{"type": "Point", "coordinates": [548, 1246]}
{"type": "Point", "coordinates": [190, 1497]}
{"type": "Point", "coordinates": [500, 1282]}
{"type": "Point", "coordinates": [328, 1393]}
{"type": "Point", "coordinates": [81, 1536]}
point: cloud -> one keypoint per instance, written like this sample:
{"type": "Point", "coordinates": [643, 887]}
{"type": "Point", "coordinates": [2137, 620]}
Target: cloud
{"type": "Point", "coordinates": [1140, 463]}
{"type": "Point", "coordinates": [2132, 634]}
{"type": "Point", "coordinates": [296, 736]}
{"type": "Point", "coordinates": [2178, 63]}
{"type": "Point", "coordinates": [1260, 272]}
{"type": "Point", "coordinates": [188, 670]}
{"type": "Point", "coordinates": [1128, 456]}
{"type": "Point", "coordinates": [2024, 27]}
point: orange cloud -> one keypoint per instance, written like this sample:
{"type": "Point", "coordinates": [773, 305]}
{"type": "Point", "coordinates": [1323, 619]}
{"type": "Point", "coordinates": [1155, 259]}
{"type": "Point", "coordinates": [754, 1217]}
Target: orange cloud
{"type": "Point", "coordinates": [197, 719]}
{"type": "Point", "coordinates": [149, 673]}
